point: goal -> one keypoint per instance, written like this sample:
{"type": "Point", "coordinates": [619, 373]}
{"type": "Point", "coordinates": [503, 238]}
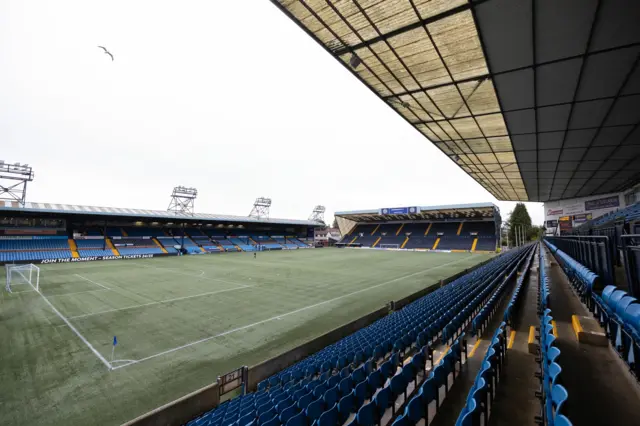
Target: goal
{"type": "Point", "coordinates": [389, 246]}
{"type": "Point", "coordinates": [18, 275]}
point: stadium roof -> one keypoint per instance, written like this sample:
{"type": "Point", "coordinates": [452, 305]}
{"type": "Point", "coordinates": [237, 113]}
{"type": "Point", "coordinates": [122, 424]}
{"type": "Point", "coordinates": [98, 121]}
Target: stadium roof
{"type": "Point", "coordinates": [10, 206]}
{"type": "Point", "coordinates": [537, 100]}
{"type": "Point", "coordinates": [475, 210]}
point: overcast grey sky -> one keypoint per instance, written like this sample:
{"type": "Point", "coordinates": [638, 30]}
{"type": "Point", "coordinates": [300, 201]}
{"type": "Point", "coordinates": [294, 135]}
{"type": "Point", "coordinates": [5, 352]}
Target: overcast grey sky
{"type": "Point", "coordinates": [228, 96]}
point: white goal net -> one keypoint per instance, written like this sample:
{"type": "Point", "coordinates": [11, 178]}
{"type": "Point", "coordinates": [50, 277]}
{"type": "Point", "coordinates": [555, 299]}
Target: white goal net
{"type": "Point", "coordinates": [23, 275]}
{"type": "Point", "coordinates": [389, 246]}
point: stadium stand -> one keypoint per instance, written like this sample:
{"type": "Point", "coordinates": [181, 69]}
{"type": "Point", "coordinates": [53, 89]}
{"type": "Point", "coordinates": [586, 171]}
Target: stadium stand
{"type": "Point", "coordinates": [286, 242]}
{"type": "Point", "coordinates": [93, 247]}
{"type": "Point", "coordinates": [141, 232]}
{"type": "Point", "coordinates": [267, 243]}
{"type": "Point", "coordinates": [93, 232]}
{"type": "Point", "coordinates": [457, 227]}
{"type": "Point", "coordinates": [365, 377]}
{"type": "Point", "coordinates": [128, 246]}
{"type": "Point", "coordinates": [114, 232]}
{"type": "Point", "coordinates": [295, 241]}
{"type": "Point", "coordinates": [227, 245]}
{"type": "Point", "coordinates": [244, 243]}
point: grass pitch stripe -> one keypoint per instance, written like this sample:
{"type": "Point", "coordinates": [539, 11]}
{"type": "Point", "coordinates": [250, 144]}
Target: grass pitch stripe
{"type": "Point", "coordinates": [277, 317]}
{"type": "Point", "coordinates": [160, 302]}
{"type": "Point", "coordinates": [92, 282]}
{"type": "Point", "coordinates": [85, 341]}
{"type": "Point", "coordinates": [201, 275]}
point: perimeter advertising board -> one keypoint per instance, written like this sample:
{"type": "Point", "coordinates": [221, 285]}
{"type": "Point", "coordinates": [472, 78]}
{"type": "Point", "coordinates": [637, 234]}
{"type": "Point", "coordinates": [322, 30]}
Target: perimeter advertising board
{"type": "Point", "coordinates": [93, 258]}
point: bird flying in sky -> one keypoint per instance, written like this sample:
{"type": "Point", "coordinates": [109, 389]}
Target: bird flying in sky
{"type": "Point", "coordinates": [106, 51]}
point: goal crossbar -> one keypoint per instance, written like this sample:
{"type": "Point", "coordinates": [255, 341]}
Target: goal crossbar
{"type": "Point", "coordinates": [23, 274]}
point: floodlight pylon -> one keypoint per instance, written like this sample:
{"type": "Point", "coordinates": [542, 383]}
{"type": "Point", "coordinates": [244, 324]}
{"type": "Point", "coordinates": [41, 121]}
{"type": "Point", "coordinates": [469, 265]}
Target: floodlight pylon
{"type": "Point", "coordinates": [183, 200]}
{"type": "Point", "coordinates": [13, 181]}
{"type": "Point", "coordinates": [261, 208]}
{"type": "Point", "coordinates": [317, 215]}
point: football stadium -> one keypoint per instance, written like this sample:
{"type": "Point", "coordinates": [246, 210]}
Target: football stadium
{"type": "Point", "coordinates": [417, 314]}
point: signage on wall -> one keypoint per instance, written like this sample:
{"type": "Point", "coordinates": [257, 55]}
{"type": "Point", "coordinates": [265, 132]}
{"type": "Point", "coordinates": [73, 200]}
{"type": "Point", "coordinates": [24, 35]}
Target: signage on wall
{"type": "Point", "coordinates": [552, 224]}
{"type": "Point", "coordinates": [556, 212]}
{"type": "Point", "coordinates": [602, 203]}
{"type": "Point", "coordinates": [581, 218]}
{"type": "Point", "coordinates": [573, 209]}
{"type": "Point", "coordinates": [565, 226]}
{"type": "Point", "coordinates": [399, 210]}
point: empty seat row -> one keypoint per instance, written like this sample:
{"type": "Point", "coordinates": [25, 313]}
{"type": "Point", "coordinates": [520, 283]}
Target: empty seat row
{"type": "Point", "coordinates": [95, 252]}
{"type": "Point", "coordinates": [125, 251]}
{"type": "Point", "coordinates": [417, 408]}
{"type": "Point", "coordinates": [493, 298]}
{"type": "Point", "coordinates": [515, 303]}
{"type": "Point", "coordinates": [34, 244]}
{"type": "Point", "coordinates": [552, 394]}
{"type": "Point", "coordinates": [482, 303]}
{"type": "Point", "coordinates": [97, 243]}
{"type": "Point", "coordinates": [583, 280]}
{"type": "Point", "coordinates": [15, 256]}
{"type": "Point", "coordinates": [619, 314]}
{"type": "Point", "coordinates": [483, 391]}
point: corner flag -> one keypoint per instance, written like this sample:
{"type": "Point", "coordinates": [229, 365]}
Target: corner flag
{"type": "Point", "coordinates": [113, 348]}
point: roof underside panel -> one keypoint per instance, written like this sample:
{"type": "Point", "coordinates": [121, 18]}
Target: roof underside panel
{"type": "Point", "coordinates": [566, 73]}
{"type": "Point", "coordinates": [535, 99]}
{"type": "Point", "coordinates": [424, 58]}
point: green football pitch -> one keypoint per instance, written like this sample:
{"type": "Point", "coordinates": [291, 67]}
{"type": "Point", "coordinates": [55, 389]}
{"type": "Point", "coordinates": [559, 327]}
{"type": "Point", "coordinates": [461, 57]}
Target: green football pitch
{"type": "Point", "coordinates": [180, 322]}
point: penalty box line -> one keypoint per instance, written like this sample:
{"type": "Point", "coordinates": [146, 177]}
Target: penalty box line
{"type": "Point", "coordinates": [277, 317]}
{"type": "Point", "coordinates": [77, 333]}
{"type": "Point", "coordinates": [92, 282]}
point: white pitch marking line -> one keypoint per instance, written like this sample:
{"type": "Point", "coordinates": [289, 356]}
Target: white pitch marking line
{"type": "Point", "coordinates": [281, 316]}
{"type": "Point", "coordinates": [161, 301]}
{"type": "Point", "coordinates": [78, 292]}
{"type": "Point", "coordinates": [187, 275]}
{"type": "Point", "coordinates": [86, 342]}
{"type": "Point", "coordinates": [91, 281]}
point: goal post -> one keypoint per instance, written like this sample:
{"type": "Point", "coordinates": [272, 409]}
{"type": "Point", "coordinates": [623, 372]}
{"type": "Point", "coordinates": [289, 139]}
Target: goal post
{"type": "Point", "coordinates": [389, 246]}
{"type": "Point", "coordinates": [28, 274]}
